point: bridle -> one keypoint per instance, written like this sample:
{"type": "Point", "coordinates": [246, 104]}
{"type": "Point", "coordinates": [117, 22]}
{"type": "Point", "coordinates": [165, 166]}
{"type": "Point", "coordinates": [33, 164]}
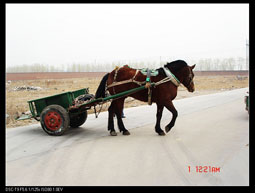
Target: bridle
{"type": "Point", "coordinates": [190, 77]}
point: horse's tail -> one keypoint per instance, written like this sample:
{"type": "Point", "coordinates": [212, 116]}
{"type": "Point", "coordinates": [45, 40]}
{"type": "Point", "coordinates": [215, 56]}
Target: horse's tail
{"type": "Point", "coordinates": [101, 88]}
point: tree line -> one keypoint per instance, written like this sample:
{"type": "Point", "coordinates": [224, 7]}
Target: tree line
{"type": "Point", "coordinates": [206, 64]}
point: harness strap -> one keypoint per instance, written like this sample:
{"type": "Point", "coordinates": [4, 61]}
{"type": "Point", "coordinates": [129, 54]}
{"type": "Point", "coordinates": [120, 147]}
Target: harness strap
{"type": "Point", "coordinates": [115, 76]}
{"type": "Point", "coordinates": [171, 76]}
{"type": "Point", "coordinates": [167, 79]}
{"type": "Point", "coordinates": [125, 81]}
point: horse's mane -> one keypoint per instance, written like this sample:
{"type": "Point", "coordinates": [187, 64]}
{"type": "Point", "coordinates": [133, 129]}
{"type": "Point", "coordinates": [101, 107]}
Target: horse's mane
{"type": "Point", "coordinates": [176, 65]}
{"type": "Point", "coordinates": [173, 66]}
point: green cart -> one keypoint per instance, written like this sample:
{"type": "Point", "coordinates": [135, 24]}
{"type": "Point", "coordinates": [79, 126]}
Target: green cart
{"type": "Point", "coordinates": [53, 112]}
{"type": "Point", "coordinates": [57, 112]}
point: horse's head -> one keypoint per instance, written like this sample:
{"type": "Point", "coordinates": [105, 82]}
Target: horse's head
{"type": "Point", "coordinates": [184, 73]}
{"type": "Point", "coordinates": [188, 76]}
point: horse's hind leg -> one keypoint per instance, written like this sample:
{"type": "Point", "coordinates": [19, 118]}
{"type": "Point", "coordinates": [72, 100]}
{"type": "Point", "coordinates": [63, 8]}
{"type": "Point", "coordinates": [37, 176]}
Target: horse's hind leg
{"type": "Point", "coordinates": [116, 107]}
{"type": "Point", "coordinates": [119, 105]}
{"type": "Point", "coordinates": [159, 115]}
{"type": "Point", "coordinates": [110, 120]}
{"type": "Point", "coordinates": [172, 109]}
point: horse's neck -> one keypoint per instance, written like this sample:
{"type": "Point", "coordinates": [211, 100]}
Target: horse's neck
{"type": "Point", "coordinates": [162, 73]}
{"type": "Point", "coordinates": [177, 74]}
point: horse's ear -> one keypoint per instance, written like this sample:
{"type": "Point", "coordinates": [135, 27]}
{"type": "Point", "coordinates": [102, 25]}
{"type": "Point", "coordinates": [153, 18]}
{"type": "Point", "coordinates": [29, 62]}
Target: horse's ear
{"type": "Point", "coordinates": [192, 67]}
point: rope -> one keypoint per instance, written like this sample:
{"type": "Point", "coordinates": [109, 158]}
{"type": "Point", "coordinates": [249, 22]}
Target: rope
{"type": "Point", "coordinates": [167, 79]}
{"type": "Point", "coordinates": [125, 81]}
{"type": "Point", "coordinates": [102, 103]}
{"type": "Point", "coordinates": [98, 112]}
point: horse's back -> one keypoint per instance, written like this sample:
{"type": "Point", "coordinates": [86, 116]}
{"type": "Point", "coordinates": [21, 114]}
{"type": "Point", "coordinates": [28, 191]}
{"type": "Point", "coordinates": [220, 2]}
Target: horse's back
{"type": "Point", "coordinates": [123, 73]}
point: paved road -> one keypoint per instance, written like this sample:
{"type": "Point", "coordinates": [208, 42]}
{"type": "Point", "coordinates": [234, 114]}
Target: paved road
{"type": "Point", "coordinates": [211, 130]}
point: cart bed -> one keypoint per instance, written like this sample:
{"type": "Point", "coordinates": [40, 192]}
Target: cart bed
{"type": "Point", "coordinates": [64, 99]}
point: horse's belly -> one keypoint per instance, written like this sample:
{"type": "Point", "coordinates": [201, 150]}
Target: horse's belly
{"type": "Point", "coordinates": [141, 96]}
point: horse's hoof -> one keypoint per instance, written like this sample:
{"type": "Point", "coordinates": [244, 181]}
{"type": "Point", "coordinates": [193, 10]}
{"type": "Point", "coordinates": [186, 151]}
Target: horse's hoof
{"type": "Point", "coordinates": [167, 129]}
{"type": "Point", "coordinates": [126, 132]}
{"type": "Point", "coordinates": [113, 133]}
{"type": "Point", "coordinates": [162, 133]}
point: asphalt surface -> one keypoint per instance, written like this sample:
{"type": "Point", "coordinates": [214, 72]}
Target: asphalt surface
{"type": "Point", "coordinates": [211, 130]}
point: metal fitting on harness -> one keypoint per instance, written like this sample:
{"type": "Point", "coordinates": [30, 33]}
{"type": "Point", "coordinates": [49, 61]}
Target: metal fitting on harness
{"type": "Point", "coordinates": [148, 85]}
{"type": "Point", "coordinates": [148, 79]}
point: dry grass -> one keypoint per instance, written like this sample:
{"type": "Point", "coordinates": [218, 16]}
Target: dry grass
{"type": "Point", "coordinates": [16, 101]}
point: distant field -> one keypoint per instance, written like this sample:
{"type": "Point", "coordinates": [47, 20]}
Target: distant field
{"type": "Point", "coordinates": [16, 101]}
{"type": "Point", "coordinates": [63, 75]}
{"type": "Point", "coordinates": [52, 75]}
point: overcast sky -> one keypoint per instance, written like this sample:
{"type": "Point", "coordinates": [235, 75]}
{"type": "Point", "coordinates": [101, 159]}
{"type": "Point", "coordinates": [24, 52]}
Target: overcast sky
{"type": "Point", "coordinates": [78, 33]}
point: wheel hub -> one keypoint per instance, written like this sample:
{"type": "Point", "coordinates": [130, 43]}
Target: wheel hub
{"type": "Point", "coordinates": [53, 120]}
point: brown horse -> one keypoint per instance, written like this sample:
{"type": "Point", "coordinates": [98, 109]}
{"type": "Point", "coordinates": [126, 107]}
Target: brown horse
{"type": "Point", "coordinates": [163, 94]}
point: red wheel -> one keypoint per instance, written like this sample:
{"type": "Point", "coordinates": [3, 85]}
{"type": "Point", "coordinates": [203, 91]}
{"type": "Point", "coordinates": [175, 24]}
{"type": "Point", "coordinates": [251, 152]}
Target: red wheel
{"type": "Point", "coordinates": [54, 120]}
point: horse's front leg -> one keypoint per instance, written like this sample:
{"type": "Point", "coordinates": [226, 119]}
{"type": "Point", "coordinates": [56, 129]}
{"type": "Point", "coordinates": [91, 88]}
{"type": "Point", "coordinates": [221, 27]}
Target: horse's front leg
{"type": "Point", "coordinates": [159, 116]}
{"type": "Point", "coordinates": [172, 109]}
